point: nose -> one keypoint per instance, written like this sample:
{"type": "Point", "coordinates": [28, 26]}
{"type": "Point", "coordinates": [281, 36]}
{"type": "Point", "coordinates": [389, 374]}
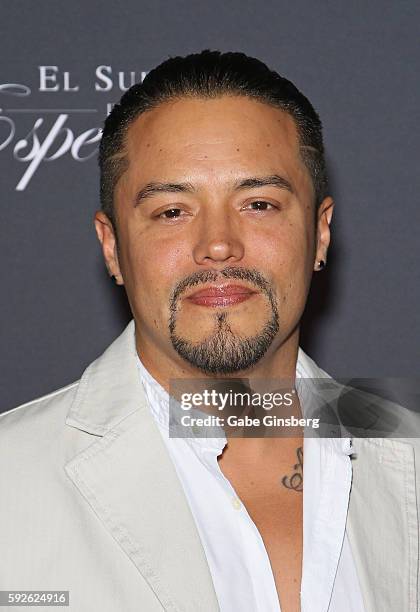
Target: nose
{"type": "Point", "coordinates": [218, 240]}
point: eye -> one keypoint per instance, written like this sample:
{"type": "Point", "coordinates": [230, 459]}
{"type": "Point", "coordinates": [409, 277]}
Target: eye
{"type": "Point", "coordinates": [261, 205]}
{"type": "Point", "coordinates": [170, 213]}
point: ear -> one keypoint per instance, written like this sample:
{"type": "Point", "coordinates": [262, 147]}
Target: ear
{"type": "Point", "coordinates": [323, 235]}
{"type": "Point", "coordinates": [106, 236]}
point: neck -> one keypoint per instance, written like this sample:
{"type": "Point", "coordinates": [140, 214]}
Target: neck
{"type": "Point", "coordinates": [279, 363]}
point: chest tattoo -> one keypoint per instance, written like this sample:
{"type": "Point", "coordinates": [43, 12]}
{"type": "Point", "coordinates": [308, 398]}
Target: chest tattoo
{"type": "Point", "coordinates": [295, 481]}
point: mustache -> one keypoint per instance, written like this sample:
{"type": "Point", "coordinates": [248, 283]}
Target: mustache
{"type": "Point", "coordinates": [251, 275]}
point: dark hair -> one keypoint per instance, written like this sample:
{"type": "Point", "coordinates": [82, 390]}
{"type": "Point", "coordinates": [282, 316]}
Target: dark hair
{"type": "Point", "coordinates": [208, 74]}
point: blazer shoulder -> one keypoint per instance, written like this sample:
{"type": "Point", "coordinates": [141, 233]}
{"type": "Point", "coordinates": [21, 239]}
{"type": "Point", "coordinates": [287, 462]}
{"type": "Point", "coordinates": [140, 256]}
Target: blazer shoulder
{"type": "Point", "coordinates": [40, 412]}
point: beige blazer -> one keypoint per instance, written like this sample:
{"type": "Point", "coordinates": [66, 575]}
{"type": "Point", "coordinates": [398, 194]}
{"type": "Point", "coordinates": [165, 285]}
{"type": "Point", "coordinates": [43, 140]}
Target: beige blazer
{"type": "Point", "coordinates": [90, 503]}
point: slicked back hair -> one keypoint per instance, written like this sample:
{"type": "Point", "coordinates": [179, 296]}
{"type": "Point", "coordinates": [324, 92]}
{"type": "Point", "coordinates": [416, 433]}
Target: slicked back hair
{"type": "Point", "coordinates": [209, 74]}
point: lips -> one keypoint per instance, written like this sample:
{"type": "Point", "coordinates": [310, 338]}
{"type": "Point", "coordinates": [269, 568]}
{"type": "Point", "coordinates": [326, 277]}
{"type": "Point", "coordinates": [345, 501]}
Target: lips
{"type": "Point", "coordinates": [221, 295]}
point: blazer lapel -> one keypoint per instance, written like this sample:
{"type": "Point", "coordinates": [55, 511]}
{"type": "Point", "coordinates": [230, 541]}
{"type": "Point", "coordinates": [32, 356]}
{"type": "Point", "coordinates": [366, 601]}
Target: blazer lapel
{"type": "Point", "coordinates": [129, 481]}
{"type": "Point", "coordinates": [383, 524]}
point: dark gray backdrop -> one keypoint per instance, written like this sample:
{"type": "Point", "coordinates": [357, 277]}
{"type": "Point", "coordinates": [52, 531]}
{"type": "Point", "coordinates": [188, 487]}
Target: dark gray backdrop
{"type": "Point", "coordinates": [357, 62]}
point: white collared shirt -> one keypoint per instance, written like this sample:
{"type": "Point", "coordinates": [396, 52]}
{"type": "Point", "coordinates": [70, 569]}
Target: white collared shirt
{"type": "Point", "coordinates": [235, 552]}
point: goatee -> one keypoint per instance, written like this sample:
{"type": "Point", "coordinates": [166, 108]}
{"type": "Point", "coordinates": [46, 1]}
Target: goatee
{"type": "Point", "coordinates": [223, 352]}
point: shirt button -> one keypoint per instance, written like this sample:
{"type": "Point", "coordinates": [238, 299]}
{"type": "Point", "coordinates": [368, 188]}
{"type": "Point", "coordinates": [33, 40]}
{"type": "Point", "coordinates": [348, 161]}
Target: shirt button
{"type": "Point", "coordinates": [236, 503]}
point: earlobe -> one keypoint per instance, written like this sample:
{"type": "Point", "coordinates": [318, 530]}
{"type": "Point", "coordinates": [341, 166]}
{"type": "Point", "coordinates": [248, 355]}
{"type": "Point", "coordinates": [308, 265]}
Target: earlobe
{"type": "Point", "coordinates": [115, 279]}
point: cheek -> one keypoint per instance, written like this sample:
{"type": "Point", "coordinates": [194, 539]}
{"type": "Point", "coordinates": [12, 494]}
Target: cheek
{"type": "Point", "coordinates": [286, 247]}
{"type": "Point", "coordinates": [286, 254]}
{"type": "Point", "coordinates": [153, 268]}
{"type": "Point", "coordinates": [299, 271]}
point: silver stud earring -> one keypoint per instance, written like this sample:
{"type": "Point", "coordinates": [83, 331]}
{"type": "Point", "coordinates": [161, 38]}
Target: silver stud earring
{"type": "Point", "coordinates": [321, 264]}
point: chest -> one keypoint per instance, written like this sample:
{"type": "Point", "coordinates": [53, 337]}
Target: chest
{"type": "Point", "coordinates": [279, 520]}
{"type": "Point", "coordinates": [272, 495]}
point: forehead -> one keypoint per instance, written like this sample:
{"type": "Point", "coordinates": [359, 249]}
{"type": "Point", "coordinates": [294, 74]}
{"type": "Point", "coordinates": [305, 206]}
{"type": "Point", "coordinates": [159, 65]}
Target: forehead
{"type": "Point", "coordinates": [212, 139]}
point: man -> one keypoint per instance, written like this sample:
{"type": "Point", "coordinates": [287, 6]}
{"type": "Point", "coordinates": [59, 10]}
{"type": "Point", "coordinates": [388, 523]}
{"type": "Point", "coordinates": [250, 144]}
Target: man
{"type": "Point", "coordinates": [215, 214]}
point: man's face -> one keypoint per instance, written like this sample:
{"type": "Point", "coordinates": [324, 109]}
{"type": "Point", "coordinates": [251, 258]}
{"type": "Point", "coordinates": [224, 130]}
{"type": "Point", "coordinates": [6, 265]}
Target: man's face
{"type": "Point", "coordinates": [217, 200]}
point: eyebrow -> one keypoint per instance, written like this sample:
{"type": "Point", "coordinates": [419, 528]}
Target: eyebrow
{"type": "Point", "coordinates": [252, 182]}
